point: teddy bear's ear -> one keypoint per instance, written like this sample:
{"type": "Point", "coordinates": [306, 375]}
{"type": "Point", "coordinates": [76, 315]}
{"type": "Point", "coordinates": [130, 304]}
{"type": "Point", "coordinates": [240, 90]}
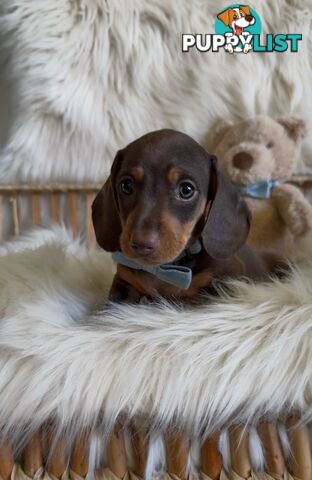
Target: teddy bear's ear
{"type": "Point", "coordinates": [215, 134]}
{"type": "Point", "coordinates": [296, 127]}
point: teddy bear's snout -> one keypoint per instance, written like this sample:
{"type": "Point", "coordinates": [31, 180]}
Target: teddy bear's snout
{"type": "Point", "coordinates": [242, 160]}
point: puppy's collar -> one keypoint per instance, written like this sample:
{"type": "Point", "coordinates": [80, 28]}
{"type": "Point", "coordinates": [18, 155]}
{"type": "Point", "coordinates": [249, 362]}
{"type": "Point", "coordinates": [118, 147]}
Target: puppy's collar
{"type": "Point", "coordinates": [260, 189]}
{"type": "Point", "coordinates": [190, 251]}
{"type": "Point", "coordinates": [177, 275]}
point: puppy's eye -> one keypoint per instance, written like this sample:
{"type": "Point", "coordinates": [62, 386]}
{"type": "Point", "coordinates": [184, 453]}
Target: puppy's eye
{"type": "Point", "coordinates": [270, 145]}
{"type": "Point", "coordinates": [186, 190]}
{"type": "Point", "coordinates": [126, 186]}
{"type": "Point", "coordinates": [235, 17]}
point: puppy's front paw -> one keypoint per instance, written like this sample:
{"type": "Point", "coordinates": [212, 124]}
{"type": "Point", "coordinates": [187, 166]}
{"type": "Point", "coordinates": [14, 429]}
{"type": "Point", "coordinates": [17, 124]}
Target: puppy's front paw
{"type": "Point", "coordinates": [247, 48]}
{"type": "Point", "coordinates": [229, 48]}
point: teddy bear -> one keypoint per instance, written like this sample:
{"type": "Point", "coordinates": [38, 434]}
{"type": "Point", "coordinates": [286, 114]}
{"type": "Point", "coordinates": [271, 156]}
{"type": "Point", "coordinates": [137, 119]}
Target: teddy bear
{"type": "Point", "coordinates": [260, 155]}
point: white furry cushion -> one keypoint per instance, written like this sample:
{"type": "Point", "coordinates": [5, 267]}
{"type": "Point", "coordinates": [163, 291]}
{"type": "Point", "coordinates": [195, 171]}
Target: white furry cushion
{"type": "Point", "coordinates": [63, 356]}
{"type": "Point", "coordinates": [85, 77]}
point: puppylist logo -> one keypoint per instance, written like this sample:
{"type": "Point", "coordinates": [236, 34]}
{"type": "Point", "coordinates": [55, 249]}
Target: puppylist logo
{"type": "Point", "coordinates": [238, 29]}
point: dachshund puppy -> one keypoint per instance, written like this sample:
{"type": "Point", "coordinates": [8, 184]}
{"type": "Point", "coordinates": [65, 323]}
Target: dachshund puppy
{"type": "Point", "coordinates": [173, 220]}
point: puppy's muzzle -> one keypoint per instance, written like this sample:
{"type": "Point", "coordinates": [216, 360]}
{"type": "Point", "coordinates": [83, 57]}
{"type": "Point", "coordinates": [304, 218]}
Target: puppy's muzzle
{"type": "Point", "coordinates": [249, 18]}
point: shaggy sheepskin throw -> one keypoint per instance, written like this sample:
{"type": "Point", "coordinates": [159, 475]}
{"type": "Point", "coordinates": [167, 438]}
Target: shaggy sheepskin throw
{"type": "Point", "coordinates": [66, 356]}
{"type": "Point", "coordinates": [86, 77]}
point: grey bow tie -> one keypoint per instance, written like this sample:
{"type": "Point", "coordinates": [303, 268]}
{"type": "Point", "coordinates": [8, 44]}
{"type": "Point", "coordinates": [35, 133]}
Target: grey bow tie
{"type": "Point", "coordinates": [177, 275]}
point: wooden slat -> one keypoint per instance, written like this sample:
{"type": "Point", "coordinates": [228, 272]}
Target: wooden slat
{"type": "Point", "coordinates": [301, 461]}
{"type": "Point", "coordinates": [73, 212]}
{"type": "Point", "coordinates": [177, 451]}
{"type": "Point", "coordinates": [55, 207]}
{"type": "Point", "coordinates": [6, 461]}
{"type": "Point", "coordinates": [15, 214]}
{"type": "Point", "coordinates": [32, 459]}
{"type": "Point", "coordinates": [35, 208]}
{"type": "Point", "coordinates": [211, 460]}
{"type": "Point", "coordinates": [57, 461]}
{"type": "Point", "coordinates": [89, 224]}
{"type": "Point", "coordinates": [239, 446]}
{"type": "Point", "coordinates": [116, 454]}
{"type": "Point", "coordinates": [48, 188]}
{"type": "Point", "coordinates": [80, 456]}
{"type": "Point", "coordinates": [272, 448]}
{"type": "Point", "coordinates": [140, 442]}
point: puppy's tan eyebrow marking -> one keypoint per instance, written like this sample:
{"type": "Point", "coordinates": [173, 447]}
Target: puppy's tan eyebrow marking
{"type": "Point", "coordinates": [138, 173]}
{"type": "Point", "coordinates": [173, 175]}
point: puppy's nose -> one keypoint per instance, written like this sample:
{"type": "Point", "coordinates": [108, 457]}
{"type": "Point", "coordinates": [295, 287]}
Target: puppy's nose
{"type": "Point", "coordinates": [249, 18]}
{"type": "Point", "coordinates": [144, 243]}
{"type": "Point", "coordinates": [242, 160]}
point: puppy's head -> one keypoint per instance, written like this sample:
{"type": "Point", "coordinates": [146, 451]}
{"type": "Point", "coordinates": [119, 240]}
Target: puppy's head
{"type": "Point", "coordinates": [237, 18]}
{"type": "Point", "coordinates": [164, 192]}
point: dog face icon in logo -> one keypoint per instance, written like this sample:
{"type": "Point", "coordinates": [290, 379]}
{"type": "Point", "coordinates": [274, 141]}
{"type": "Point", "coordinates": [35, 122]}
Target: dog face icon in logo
{"type": "Point", "coordinates": [238, 19]}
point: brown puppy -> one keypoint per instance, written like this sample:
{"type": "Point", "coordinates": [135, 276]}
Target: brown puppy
{"type": "Point", "coordinates": [168, 202]}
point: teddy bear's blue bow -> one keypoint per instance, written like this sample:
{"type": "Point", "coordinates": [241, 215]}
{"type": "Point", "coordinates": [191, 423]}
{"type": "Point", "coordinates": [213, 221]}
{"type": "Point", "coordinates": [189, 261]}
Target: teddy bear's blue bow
{"type": "Point", "coordinates": [177, 275]}
{"type": "Point", "coordinates": [260, 189]}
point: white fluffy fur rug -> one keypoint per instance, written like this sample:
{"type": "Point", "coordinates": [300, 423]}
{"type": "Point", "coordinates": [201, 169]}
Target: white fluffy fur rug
{"type": "Point", "coordinates": [63, 356]}
{"type": "Point", "coordinates": [85, 77]}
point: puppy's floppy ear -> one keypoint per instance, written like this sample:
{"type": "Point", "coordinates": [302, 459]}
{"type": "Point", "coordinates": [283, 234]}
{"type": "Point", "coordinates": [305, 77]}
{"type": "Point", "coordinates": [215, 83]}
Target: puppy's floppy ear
{"type": "Point", "coordinates": [225, 17]}
{"type": "Point", "coordinates": [105, 215]}
{"type": "Point", "coordinates": [245, 9]}
{"type": "Point", "coordinates": [228, 220]}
